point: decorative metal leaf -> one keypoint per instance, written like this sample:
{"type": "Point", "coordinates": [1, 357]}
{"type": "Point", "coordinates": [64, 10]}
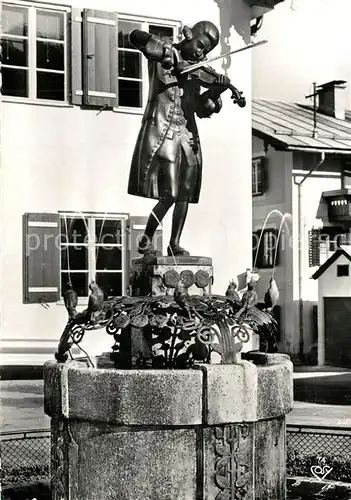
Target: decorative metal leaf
{"type": "Point", "coordinates": [137, 309]}
{"type": "Point", "coordinates": [174, 326]}
{"type": "Point", "coordinates": [187, 325]}
{"type": "Point", "coordinates": [128, 301]}
{"type": "Point", "coordinates": [158, 320]}
{"type": "Point", "coordinates": [162, 303]}
{"type": "Point", "coordinates": [216, 348]}
{"type": "Point", "coordinates": [140, 320]}
{"type": "Point", "coordinates": [121, 321]}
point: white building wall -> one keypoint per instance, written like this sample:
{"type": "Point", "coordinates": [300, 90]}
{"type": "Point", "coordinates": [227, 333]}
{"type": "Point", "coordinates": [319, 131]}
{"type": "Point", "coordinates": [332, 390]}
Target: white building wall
{"type": "Point", "coordinates": [65, 158]}
{"type": "Point", "coordinates": [277, 198]}
{"type": "Point", "coordinates": [311, 192]}
{"type": "Point", "coordinates": [329, 285]}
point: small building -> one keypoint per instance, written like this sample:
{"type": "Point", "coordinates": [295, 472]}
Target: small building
{"type": "Point", "coordinates": [301, 169]}
{"type": "Point", "coordinates": [334, 309]}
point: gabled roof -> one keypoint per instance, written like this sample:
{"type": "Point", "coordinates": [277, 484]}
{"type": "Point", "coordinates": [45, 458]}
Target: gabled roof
{"type": "Point", "coordinates": [341, 251]}
{"type": "Point", "coordinates": [290, 126]}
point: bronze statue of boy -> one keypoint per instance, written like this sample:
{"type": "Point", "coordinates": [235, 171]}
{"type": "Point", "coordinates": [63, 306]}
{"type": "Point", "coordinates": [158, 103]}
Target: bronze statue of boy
{"type": "Point", "coordinates": [167, 161]}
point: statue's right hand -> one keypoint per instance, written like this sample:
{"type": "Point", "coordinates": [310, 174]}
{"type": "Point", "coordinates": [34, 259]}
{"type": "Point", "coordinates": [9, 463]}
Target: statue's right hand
{"type": "Point", "coordinates": [167, 59]}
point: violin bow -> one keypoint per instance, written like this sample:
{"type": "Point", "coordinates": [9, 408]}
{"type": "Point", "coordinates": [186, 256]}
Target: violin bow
{"type": "Point", "coordinates": [191, 68]}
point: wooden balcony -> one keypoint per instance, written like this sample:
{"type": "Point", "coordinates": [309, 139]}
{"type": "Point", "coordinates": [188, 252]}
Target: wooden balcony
{"type": "Point", "coordinates": [339, 205]}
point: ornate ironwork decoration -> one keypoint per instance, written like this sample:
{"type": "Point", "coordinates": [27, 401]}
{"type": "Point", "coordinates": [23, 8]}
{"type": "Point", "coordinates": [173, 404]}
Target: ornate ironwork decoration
{"type": "Point", "coordinates": [177, 332]}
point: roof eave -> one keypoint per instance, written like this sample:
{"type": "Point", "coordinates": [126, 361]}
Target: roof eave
{"type": "Point", "coordinates": [283, 146]}
{"type": "Point", "coordinates": [329, 262]}
{"type": "Point", "coordinates": [320, 150]}
{"type": "Point", "coordinates": [276, 143]}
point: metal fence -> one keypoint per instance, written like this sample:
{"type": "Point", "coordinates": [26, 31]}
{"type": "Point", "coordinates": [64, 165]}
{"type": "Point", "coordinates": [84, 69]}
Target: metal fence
{"type": "Point", "coordinates": [25, 448]}
{"type": "Point", "coordinates": [313, 440]}
{"type": "Point", "coordinates": [28, 448]}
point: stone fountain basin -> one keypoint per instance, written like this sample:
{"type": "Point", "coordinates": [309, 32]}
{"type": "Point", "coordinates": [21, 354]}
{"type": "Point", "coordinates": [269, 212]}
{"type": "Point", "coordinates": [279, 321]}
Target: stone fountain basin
{"type": "Point", "coordinates": [210, 430]}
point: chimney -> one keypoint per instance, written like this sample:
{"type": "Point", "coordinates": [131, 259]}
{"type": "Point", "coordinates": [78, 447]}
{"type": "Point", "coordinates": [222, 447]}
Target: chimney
{"type": "Point", "coordinates": [332, 99]}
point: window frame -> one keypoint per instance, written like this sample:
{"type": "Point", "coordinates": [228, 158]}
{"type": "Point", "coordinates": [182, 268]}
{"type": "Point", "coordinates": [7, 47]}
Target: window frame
{"type": "Point", "coordinates": [144, 21]}
{"type": "Point", "coordinates": [91, 257]}
{"type": "Point", "coordinates": [257, 164]}
{"type": "Point", "coordinates": [261, 250]}
{"type": "Point", "coordinates": [32, 8]}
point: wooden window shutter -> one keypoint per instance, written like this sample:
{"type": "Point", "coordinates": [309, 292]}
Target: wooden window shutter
{"type": "Point", "coordinates": [41, 269]}
{"type": "Point", "coordinates": [313, 247]}
{"type": "Point", "coordinates": [136, 230]}
{"type": "Point", "coordinates": [76, 57]}
{"type": "Point", "coordinates": [100, 58]}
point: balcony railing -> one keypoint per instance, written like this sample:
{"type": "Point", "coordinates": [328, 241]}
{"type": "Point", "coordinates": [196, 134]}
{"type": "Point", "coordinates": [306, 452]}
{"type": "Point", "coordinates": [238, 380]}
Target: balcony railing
{"type": "Point", "coordinates": [339, 205]}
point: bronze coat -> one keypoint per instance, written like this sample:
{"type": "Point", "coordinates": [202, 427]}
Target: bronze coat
{"type": "Point", "coordinates": [162, 114]}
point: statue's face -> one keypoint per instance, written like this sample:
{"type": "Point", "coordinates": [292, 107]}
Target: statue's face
{"type": "Point", "coordinates": [195, 50]}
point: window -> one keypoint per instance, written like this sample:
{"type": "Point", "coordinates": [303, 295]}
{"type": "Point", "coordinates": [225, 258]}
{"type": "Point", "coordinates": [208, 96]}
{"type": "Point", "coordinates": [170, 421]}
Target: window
{"type": "Point", "coordinates": [122, 81]}
{"type": "Point", "coordinates": [108, 72]}
{"type": "Point", "coordinates": [93, 248]}
{"type": "Point", "coordinates": [265, 248]}
{"type": "Point", "coordinates": [104, 69]}
{"type": "Point", "coordinates": [131, 63]}
{"type": "Point", "coordinates": [342, 270]}
{"type": "Point", "coordinates": [259, 168]}
{"type": "Point", "coordinates": [34, 58]}
{"type": "Point", "coordinates": [79, 247]}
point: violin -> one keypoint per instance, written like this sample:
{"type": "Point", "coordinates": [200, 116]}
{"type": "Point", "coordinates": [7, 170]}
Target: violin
{"type": "Point", "coordinates": [208, 77]}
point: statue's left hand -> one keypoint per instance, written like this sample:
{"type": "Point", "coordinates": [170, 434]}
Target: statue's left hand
{"type": "Point", "coordinates": [222, 81]}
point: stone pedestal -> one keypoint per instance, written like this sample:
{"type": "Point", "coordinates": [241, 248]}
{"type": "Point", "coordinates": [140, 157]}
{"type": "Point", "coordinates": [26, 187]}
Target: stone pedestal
{"type": "Point", "coordinates": [215, 432]}
{"type": "Point", "coordinates": [160, 275]}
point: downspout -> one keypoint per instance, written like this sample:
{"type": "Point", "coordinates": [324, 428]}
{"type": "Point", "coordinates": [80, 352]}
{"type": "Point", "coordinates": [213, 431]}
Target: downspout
{"type": "Point", "coordinates": [300, 259]}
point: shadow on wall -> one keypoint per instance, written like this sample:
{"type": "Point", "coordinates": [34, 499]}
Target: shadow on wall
{"type": "Point", "coordinates": [233, 14]}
